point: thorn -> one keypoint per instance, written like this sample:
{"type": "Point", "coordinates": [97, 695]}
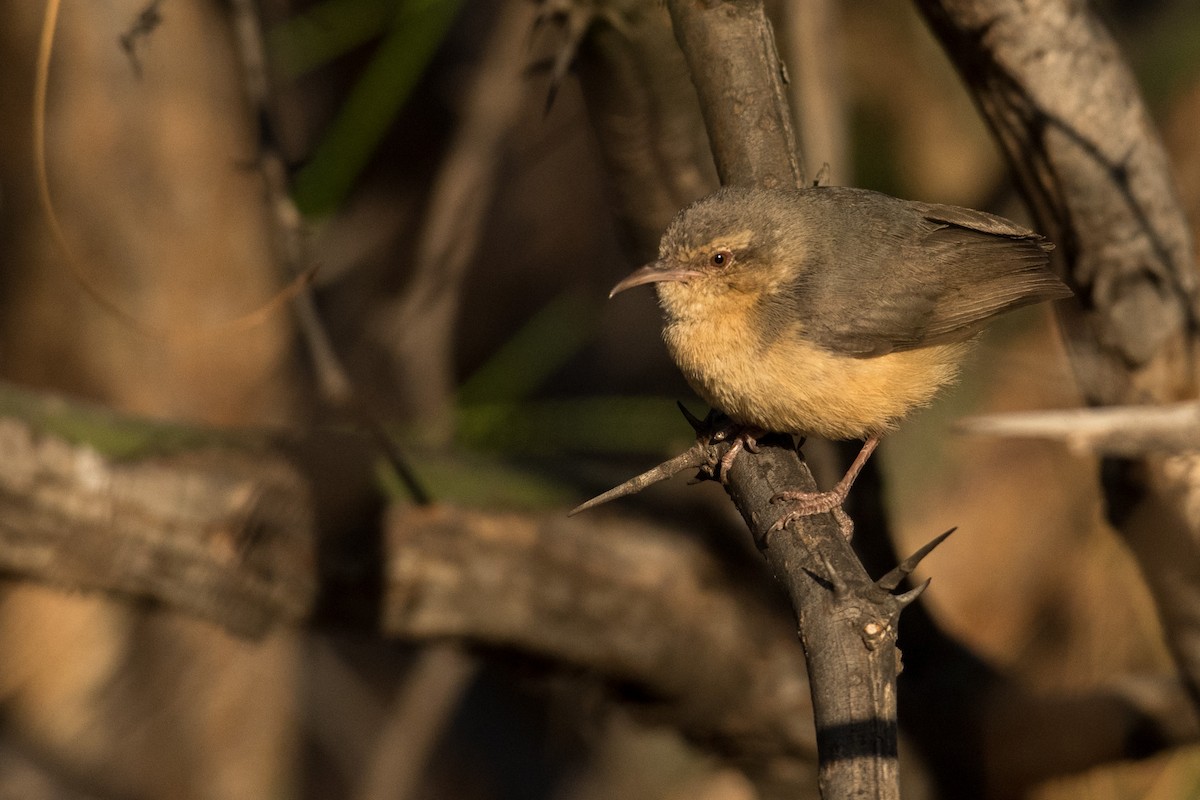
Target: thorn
{"type": "Point", "coordinates": [894, 578]}
{"type": "Point", "coordinates": [822, 175]}
{"type": "Point", "coordinates": [696, 423]}
{"type": "Point", "coordinates": [908, 598]}
{"type": "Point", "coordinates": [696, 456]}
{"type": "Point", "coordinates": [836, 582]}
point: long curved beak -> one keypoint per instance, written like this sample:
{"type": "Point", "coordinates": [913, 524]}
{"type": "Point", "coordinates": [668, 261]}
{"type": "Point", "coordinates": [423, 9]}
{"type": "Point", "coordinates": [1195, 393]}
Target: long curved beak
{"type": "Point", "coordinates": [654, 272]}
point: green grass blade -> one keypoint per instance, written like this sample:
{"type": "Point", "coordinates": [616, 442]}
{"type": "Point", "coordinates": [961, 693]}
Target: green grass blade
{"type": "Point", "coordinates": [323, 183]}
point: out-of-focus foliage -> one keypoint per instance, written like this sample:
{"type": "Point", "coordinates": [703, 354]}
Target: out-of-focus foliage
{"type": "Point", "coordinates": [410, 32]}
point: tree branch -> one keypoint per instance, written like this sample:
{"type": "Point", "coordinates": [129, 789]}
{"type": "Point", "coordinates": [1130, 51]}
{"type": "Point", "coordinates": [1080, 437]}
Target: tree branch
{"type": "Point", "coordinates": [219, 530]}
{"type": "Point", "coordinates": [642, 606]}
{"type": "Point", "coordinates": [730, 50]}
{"type": "Point", "coordinates": [1066, 110]}
{"type": "Point", "coordinates": [635, 604]}
{"type": "Point", "coordinates": [221, 525]}
{"type": "Point", "coordinates": [846, 622]}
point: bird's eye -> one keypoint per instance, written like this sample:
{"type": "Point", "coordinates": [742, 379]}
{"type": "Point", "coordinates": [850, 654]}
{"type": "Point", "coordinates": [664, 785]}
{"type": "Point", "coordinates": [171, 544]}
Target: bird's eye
{"type": "Point", "coordinates": [721, 258]}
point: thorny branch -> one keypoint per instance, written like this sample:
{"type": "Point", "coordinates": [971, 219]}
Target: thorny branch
{"type": "Point", "coordinates": [1065, 107]}
{"type": "Point", "coordinates": [847, 622]}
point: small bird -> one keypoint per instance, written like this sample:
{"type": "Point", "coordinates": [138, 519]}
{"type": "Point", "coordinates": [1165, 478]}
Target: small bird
{"type": "Point", "coordinates": [833, 311]}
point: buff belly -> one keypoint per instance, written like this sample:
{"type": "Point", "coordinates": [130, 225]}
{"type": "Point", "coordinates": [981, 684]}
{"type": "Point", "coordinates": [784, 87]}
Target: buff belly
{"type": "Point", "coordinates": [792, 386]}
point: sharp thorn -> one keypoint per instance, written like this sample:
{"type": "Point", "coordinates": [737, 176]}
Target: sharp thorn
{"type": "Point", "coordinates": [908, 598]}
{"type": "Point", "coordinates": [836, 582]}
{"type": "Point", "coordinates": [590, 504]}
{"type": "Point", "coordinates": [905, 568]}
{"type": "Point", "coordinates": [822, 175]}
{"type": "Point", "coordinates": [696, 423]}
{"type": "Point", "coordinates": [694, 457]}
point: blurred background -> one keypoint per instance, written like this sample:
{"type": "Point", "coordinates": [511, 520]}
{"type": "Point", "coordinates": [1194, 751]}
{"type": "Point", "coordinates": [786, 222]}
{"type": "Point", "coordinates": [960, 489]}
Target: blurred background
{"type": "Point", "coordinates": [460, 238]}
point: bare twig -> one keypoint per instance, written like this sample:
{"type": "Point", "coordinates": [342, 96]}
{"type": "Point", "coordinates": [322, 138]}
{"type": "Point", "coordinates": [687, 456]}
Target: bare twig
{"type": "Point", "coordinates": [730, 50]}
{"type": "Point", "coordinates": [332, 379]}
{"type": "Point", "coordinates": [431, 692]}
{"type": "Point", "coordinates": [418, 328]}
{"type": "Point", "coordinates": [1127, 431]}
{"type": "Point", "coordinates": [847, 626]}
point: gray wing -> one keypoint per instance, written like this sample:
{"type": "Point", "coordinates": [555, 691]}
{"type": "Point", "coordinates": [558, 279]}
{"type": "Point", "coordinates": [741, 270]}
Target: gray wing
{"type": "Point", "coordinates": [920, 274]}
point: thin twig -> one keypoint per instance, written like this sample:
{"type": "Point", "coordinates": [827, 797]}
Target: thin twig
{"type": "Point", "coordinates": [702, 453]}
{"type": "Point", "coordinates": [1128, 431]}
{"type": "Point", "coordinates": [333, 380]}
{"type": "Point", "coordinates": [418, 328]}
{"type": "Point", "coordinates": [422, 709]}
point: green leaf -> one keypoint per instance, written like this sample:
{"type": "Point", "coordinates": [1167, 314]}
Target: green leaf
{"type": "Point", "coordinates": [597, 425]}
{"type": "Point", "coordinates": [528, 359]}
{"type": "Point", "coordinates": [321, 186]}
{"type": "Point", "coordinates": [320, 34]}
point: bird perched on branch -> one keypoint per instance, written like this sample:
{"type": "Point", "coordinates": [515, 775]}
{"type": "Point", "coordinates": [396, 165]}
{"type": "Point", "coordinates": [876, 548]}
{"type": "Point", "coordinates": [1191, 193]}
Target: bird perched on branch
{"type": "Point", "coordinates": [833, 311]}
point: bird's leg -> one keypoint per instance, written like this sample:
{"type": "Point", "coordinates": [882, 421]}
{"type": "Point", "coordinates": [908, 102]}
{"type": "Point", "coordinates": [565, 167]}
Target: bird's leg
{"type": "Point", "coordinates": [744, 438]}
{"type": "Point", "coordinates": [806, 504]}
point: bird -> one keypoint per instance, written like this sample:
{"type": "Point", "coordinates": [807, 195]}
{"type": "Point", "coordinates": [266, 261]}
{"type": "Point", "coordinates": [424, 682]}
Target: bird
{"type": "Point", "coordinates": [833, 311]}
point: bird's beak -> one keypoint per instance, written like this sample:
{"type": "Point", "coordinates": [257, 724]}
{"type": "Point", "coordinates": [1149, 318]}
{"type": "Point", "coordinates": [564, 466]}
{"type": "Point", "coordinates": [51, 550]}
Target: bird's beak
{"type": "Point", "coordinates": [654, 272]}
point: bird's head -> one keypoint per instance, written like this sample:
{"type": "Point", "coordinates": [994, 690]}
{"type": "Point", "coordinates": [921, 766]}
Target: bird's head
{"type": "Point", "coordinates": [719, 250]}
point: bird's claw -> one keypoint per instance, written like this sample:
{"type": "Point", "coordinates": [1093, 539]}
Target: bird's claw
{"type": "Point", "coordinates": [807, 504]}
{"type": "Point", "coordinates": [744, 439]}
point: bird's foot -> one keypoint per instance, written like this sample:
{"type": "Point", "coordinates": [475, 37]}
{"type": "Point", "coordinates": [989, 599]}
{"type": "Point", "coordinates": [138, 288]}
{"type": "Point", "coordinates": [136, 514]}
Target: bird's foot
{"type": "Point", "coordinates": [806, 504]}
{"type": "Point", "coordinates": [744, 438]}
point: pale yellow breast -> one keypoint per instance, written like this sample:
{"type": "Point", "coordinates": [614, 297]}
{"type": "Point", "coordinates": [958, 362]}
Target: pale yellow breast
{"type": "Point", "coordinates": [792, 386]}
